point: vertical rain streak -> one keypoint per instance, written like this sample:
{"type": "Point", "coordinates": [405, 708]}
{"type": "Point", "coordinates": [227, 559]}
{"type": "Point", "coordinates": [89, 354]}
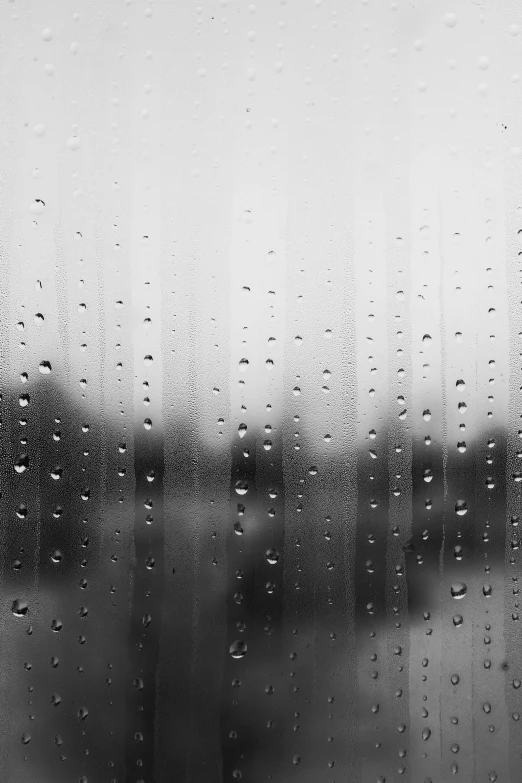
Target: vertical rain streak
{"type": "Point", "coordinates": [422, 551]}
{"type": "Point", "coordinates": [195, 344]}
{"type": "Point", "coordinates": [510, 17]}
{"type": "Point", "coordinates": [371, 166]}
{"type": "Point", "coordinates": [144, 254]}
{"type": "Point", "coordinates": [108, 217]}
{"type": "Point", "coordinates": [397, 199]}
{"type": "Point", "coordinates": [486, 585]}
{"type": "Point", "coordinates": [8, 406]}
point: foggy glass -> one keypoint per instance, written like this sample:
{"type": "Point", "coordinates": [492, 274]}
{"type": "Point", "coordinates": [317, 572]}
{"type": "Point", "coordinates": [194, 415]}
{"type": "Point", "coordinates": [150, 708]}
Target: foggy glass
{"type": "Point", "coordinates": [260, 375]}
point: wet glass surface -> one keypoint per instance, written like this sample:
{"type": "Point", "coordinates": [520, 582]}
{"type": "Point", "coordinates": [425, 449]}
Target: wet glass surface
{"type": "Point", "coordinates": [260, 374]}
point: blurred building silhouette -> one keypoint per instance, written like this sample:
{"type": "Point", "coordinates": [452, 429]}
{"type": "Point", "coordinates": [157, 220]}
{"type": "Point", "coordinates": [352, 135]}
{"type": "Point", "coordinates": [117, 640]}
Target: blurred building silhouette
{"type": "Point", "coordinates": [104, 608]}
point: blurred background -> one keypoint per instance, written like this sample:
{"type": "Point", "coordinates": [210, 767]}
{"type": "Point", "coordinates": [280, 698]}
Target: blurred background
{"type": "Point", "coordinates": [260, 374]}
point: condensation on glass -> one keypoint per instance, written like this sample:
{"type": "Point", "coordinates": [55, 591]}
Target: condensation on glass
{"type": "Point", "coordinates": [260, 375]}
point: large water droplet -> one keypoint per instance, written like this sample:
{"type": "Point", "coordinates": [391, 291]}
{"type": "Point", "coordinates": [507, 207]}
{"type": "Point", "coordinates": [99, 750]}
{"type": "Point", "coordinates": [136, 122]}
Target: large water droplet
{"type": "Point", "coordinates": [19, 607]}
{"type": "Point", "coordinates": [450, 20]}
{"type": "Point", "coordinates": [461, 507]}
{"type": "Point", "coordinates": [272, 555]}
{"type": "Point", "coordinates": [21, 463]}
{"type": "Point", "coordinates": [241, 487]}
{"type": "Point", "coordinates": [459, 589]}
{"type": "Point", "coordinates": [238, 649]}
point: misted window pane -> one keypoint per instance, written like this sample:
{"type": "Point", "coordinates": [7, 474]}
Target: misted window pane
{"type": "Point", "coordinates": [260, 375]}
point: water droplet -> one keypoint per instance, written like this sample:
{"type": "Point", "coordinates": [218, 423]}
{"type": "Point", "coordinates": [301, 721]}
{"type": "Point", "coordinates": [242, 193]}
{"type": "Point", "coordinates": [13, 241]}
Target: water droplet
{"type": "Point", "coordinates": [450, 20]}
{"type": "Point", "coordinates": [21, 463]}
{"type": "Point", "coordinates": [461, 507]}
{"type": "Point", "coordinates": [37, 206]}
{"type": "Point", "coordinates": [19, 607]}
{"type": "Point", "coordinates": [272, 556]}
{"type": "Point", "coordinates": [241, 487]}
{"type": "Point", "coordinates": [458, 589]}
{"type": "Point", "coordinates": [238, 649]}
{"type": "Point", "coordinates": [458, 620]}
